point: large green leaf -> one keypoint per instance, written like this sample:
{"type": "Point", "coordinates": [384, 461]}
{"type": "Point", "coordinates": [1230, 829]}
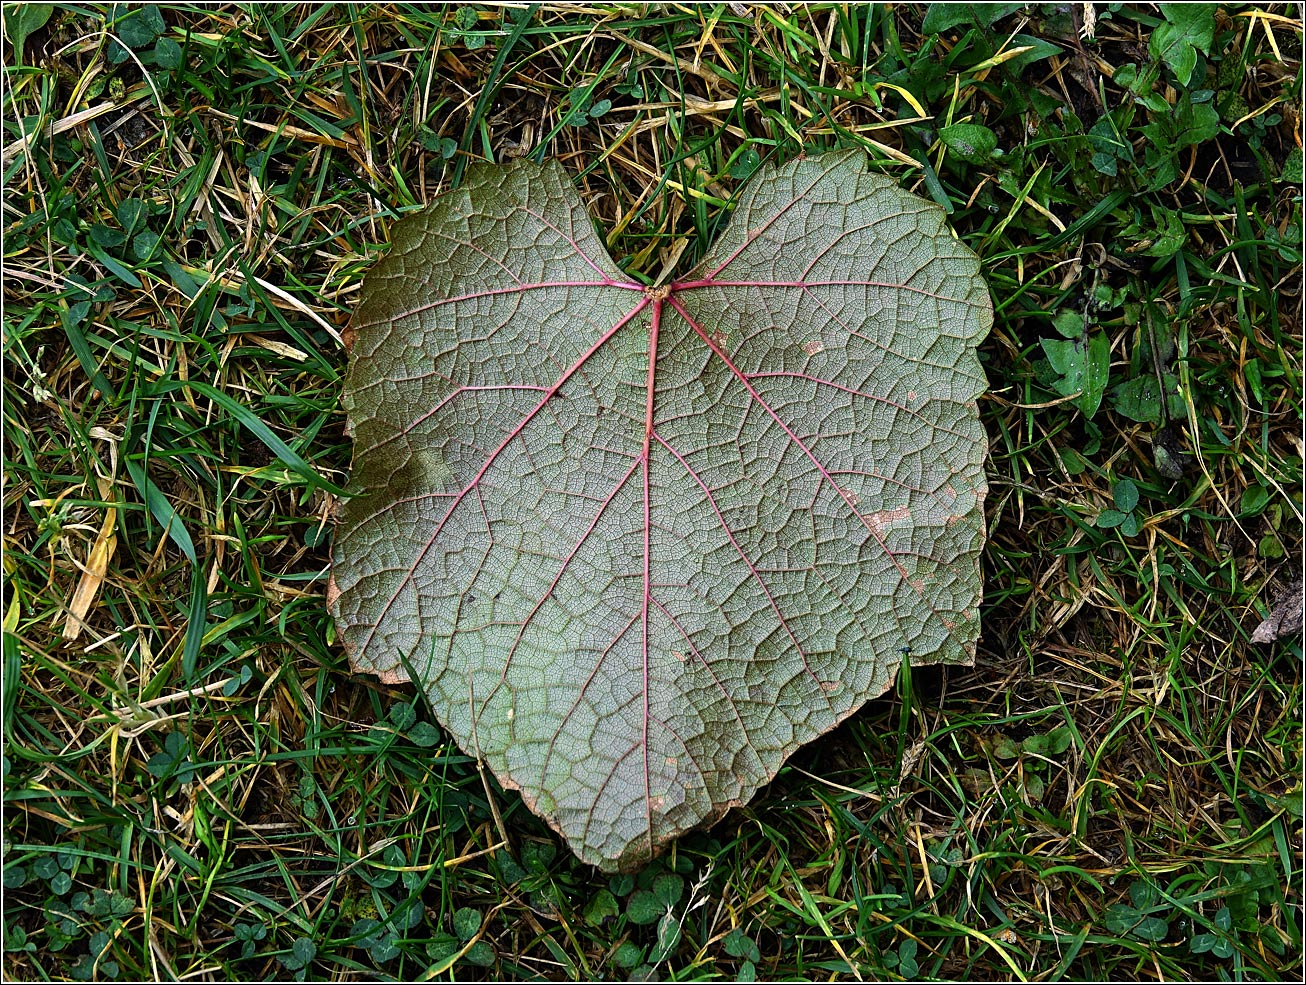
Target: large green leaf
{"type": "Point", "coordinates": [640, 544]}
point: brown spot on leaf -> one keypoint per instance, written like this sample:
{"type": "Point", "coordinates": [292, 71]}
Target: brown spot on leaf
{"type": "Point", "coordinates": [878, 521]}
{"type": "Point", "coordinates": [395, 675]}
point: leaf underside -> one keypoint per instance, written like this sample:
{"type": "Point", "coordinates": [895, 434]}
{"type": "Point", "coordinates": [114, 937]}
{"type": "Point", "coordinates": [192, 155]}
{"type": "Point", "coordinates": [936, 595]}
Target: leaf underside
{"type": "Point", "coordinates": [640, 544]}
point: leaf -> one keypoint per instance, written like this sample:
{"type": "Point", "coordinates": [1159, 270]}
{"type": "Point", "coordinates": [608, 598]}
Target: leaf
{"type": "Point", "coordinates": [173, 760]}
{"type": "Point", "coordinates": [1173, 129]}
{"type": "Point", "coordinates": [942, 16]}
{"type": "Point", "coordinates": [1125, 495]}
{"type": "Point", "coordinates": [1069, 324]}
{"type": "Point", "coordinates": [107, 237]}
{"type": "Point", "coordinates": [1169, 233]}
{"type": "Point", "coordinates": [139, 26]}
{"type": "Point", "coordinates": [1151, 929]}
{"type": "Point", "coordinates": [1142, 895]}
{"type": "Point", "coordinates": [1004, 747]}
{"type": "Point", "coordinates": [132, 213]}
{"type": "Point", "coordinates": [1109, 145]}
{"type": "Point", "coordinates": [1120, 918]}
{"type": "Point", "coordinates": [1270, 547]}
{"type": "Point", "coordinates": [24, 19]}
{"type": "Point", "coordinates": [668, 938]}
{"type": "Point", "coordinates": [466, 922]}
{"type": "Point", "coordinates": [1139, 399]}
{"type": "Point", "coordinates": [425, 734]}
{"type": "Point", "coordinates": [1084, 368]}
{"type": "Point", "coordinates": [302, 951]}
{"type": "Point", "coordinates": [749, 160]}
{"type": "Point", "coordinates": [601, 906]}
{"type": "Point", "coordinates": [1292, 167]}
{"type": "Point", "coordinates": [144, 245]}
{"type": "Point", "coordinates": [640, 544]}
{"type": "Point", "coordinates": [643, 907]}
{"type": "Point", "coordinates": [94, 571]}
{"type": "Point", "coordinates": [167, 54]}
{"type": "Point", "coordinates": [1037, 50]}
{"type": "Point", "coordinates": [970, 141]}
{"type": "Point", "coordinates": [1059, 740]}
{"type": "Point", "coordinates": [403, 715]}
{"type": "Point", "coordinates": [738, 944]}
{"type": "Point", "coordinates": [667, 889]}
{"type": "Point", "coordinates": [481, 954]}
{"type": "Point", "coordinates": [1285, 616]}
{"type": "Point", "coordinates": [627, 955]}
{"type": "Point", "coordinates": [621, 885]}
{"type": "Point", "coordinates": [1036, 745]}
{"type": "Point", "coordinates": [1187, 29]}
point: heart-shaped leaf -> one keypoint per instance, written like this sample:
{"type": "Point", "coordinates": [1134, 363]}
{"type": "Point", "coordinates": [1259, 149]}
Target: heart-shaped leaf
{"type": "Point", "coordinates": [640, 544]}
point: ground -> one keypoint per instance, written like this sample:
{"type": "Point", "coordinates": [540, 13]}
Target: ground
{"type": "Point", "coordinates": [195, 785]}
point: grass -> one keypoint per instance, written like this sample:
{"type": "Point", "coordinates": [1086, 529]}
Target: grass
{"type": "Point", "coordinates": [194, 784]}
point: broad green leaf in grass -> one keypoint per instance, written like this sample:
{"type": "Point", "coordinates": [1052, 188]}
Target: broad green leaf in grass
{"type": "Point", "coordinates": [638, 544]}
{"type": "Point", "coordinates": [970, 141]}
{"type": "Point", "coordinates": [23, 19]}
{"type": "Point", "coordinates": [944, 16]}
{"type": "Point", "coordinates": [1140, 399]}
{"type": "Point", "coordinates": [602, 906]}
{"type": "Point", "coordinates": [739, 945]}
{"type": "Point", "coordinates": [1082, 366]}
{"type": "Point", "coordinates": [668, 938]}
{"type": "Point", "coordinates": [1125, 494]}
{"type": "Point", "coordinates": [167, 53]}
{"type": "Point", "coordinates": [1110, 518]}
{"type": "Point", "coordinates": [135, 26]}
{"type": "Point", "coordinates": [627, 955]}
{"type": "Point", "coordinates": [1187, 29]}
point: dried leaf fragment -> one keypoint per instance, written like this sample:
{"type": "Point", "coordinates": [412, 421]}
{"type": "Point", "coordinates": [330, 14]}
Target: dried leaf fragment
{"type": "Point", "coordinates": [1285, 616]}
{"type": "Point", "coordinates": [95, 570]}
